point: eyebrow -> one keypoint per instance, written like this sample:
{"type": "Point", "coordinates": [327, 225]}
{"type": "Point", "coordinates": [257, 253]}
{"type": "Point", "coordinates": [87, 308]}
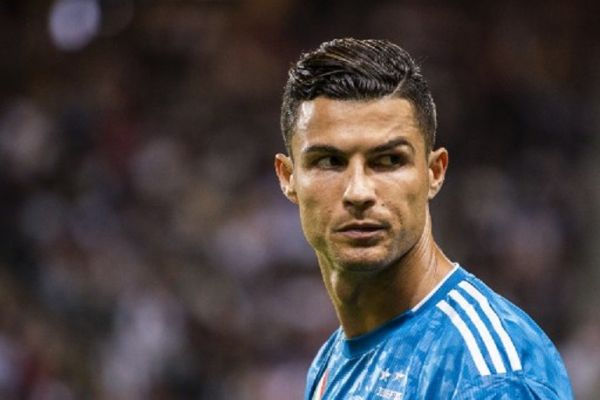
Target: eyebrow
{"type": "Point", "coordinates": [322, 148]}
{"type": "Point", "coordinates": [392, 144]}
{"type": "Point", "coordinates": [328, 149]}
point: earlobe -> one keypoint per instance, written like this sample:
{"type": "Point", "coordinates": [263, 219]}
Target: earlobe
{"type": "Point", "coordinates": [438, 164]}
{"type": "Point", "coordinates": [285, 174]}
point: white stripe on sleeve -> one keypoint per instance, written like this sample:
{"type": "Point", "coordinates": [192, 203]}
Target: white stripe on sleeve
{"type": "Point", "coordinates": [467, 337]}
{"type": "Point", "coordinates": [513, 357]}
{"type": "Point", "coordinates": [482, 329]}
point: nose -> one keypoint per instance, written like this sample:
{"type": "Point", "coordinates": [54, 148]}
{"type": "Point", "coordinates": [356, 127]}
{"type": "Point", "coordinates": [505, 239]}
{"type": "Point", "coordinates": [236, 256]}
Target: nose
{"type": "Point", "coordinates": [360, 193]}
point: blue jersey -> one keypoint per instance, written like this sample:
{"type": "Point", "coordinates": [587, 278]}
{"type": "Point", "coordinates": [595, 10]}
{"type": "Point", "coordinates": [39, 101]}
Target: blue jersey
{"type": "Point", "coordinates": [463, 341]}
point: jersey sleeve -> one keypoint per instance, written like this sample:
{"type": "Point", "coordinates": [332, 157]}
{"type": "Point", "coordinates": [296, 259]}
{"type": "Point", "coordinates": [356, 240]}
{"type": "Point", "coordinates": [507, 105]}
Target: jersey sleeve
{"type": "Point", "coordinates": [509, 388]}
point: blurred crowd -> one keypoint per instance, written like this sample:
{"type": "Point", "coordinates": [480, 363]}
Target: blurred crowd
{"type": "Point", "coordinates": [145, 249]}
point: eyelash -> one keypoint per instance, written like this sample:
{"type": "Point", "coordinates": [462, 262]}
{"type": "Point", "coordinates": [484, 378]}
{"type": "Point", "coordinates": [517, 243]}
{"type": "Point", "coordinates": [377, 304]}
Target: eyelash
{"type": "Point", "coordinates": [395, 160]}
{"type": "Point", "coordinates": [337, 162]}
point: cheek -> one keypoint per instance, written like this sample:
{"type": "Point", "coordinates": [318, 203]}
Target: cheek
{"type": "Point", "coordinates": [316, 204]}
{"type": "Point", "coordinates": [418, 202]}
{"type": "Point", "coordinates": [314, 208]}
{"type": "Point", "coordinates": [406, 195]}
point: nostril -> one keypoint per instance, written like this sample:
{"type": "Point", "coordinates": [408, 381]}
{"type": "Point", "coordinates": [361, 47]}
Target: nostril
{"type": "Point", "coordinates": [359, 205]}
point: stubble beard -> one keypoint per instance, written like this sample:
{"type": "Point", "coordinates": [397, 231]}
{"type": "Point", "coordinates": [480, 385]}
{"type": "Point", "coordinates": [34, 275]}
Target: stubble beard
{"type": "Point", "coordinates": [362, 260]}
{"type": "Point", "coordinates": [367, 260]}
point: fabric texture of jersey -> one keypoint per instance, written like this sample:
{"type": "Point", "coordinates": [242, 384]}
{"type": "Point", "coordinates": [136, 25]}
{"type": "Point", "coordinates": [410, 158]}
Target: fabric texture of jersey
{"type": "Point", "coordinates": [463, 341]}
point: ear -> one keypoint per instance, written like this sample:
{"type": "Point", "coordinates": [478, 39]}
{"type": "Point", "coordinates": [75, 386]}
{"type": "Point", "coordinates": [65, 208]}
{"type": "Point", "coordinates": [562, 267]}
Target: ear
{"type": "Point", "coordinates": [285, 172]}
{"type": "Point", "coordinates": [438, 164]}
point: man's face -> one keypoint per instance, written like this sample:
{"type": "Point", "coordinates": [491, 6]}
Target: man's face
{"type": "Point", "coordinates": [362, 180]}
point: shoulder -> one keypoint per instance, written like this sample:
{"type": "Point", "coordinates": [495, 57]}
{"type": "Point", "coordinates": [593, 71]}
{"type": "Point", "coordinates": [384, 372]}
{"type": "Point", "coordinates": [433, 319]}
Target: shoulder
{"type": "Point", "coordinates": [495, 344]}
{"type": "Point", "coordinates": [498, 387]}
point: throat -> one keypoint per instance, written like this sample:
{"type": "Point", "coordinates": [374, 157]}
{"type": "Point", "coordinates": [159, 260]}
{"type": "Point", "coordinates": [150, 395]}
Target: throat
{"type": "Point", "coordinates": [363, 302]}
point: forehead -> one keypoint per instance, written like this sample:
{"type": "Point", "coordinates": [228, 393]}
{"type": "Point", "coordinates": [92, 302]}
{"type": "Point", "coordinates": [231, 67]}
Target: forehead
{"type": "Point", "coordinates": [354, 123]}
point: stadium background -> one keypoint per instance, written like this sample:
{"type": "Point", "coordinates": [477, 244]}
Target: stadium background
{"type": "Point", "coordinates": [145, 249]}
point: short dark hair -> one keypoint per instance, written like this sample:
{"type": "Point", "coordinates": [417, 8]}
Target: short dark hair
{"type": "Point", "coordinates": [353, 69]}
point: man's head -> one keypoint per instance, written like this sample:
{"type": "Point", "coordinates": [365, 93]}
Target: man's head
{"type": "Point", "coordinates": [351, 69]}
{"type": "Point", "coordinates": [359, 121]}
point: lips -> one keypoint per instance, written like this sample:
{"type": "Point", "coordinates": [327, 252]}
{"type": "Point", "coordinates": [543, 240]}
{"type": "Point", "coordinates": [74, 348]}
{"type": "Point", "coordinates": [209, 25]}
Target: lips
{"type": "Point", "coordinates": [362, 230]}
{"type": "Point", "coordinates": [361, 226]}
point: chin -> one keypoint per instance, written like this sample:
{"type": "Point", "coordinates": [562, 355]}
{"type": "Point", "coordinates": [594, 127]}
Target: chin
{"type": "Point", "coordinates": [362, 263]}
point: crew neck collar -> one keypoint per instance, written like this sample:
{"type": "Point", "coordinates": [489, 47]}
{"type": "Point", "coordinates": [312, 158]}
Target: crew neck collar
{"type": "Point", "coordinates": [359, 345]}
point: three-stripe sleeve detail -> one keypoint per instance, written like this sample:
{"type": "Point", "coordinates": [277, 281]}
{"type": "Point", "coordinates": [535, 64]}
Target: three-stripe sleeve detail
{"type": "Point", "coordinates": [467, 336]}
{"type": "Point", "coordinates": [482, 330]}
{"type": "Point", "coordinates": [509, 347]}
{"type": "Point", "coordinates": [461, 308]}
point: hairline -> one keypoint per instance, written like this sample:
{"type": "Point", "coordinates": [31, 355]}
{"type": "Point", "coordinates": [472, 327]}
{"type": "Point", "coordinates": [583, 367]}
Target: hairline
{"type": "Point", "coordinates": [395, 94]}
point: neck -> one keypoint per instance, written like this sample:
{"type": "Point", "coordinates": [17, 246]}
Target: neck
{"type": "Point", "coordinates": [364, 302]}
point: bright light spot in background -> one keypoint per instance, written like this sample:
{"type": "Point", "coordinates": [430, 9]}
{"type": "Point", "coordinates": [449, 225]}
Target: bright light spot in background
{"type": "Point", "coordinates": [74, 23]}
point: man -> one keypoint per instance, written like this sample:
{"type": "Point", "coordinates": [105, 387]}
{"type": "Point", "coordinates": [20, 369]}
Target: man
{"type": "Point", "coordinates": [359, 125]}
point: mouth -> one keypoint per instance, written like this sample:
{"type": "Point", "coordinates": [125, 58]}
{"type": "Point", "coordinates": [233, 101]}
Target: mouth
{"type": "Point", "coordinates": [361, 230]}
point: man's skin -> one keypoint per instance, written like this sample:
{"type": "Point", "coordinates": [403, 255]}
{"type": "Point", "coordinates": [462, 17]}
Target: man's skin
{"type": "Point", "coordinates": [362, 178]}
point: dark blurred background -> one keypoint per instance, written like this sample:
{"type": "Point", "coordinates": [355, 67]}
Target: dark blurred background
{"type": "Point", "coordinates": [145, 249]}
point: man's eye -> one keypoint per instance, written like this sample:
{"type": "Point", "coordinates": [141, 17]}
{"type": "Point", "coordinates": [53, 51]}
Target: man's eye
{"type": "Point", "coordinates": [388, 160]}
{"type": "Point", "coordinates": [330, 162]}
